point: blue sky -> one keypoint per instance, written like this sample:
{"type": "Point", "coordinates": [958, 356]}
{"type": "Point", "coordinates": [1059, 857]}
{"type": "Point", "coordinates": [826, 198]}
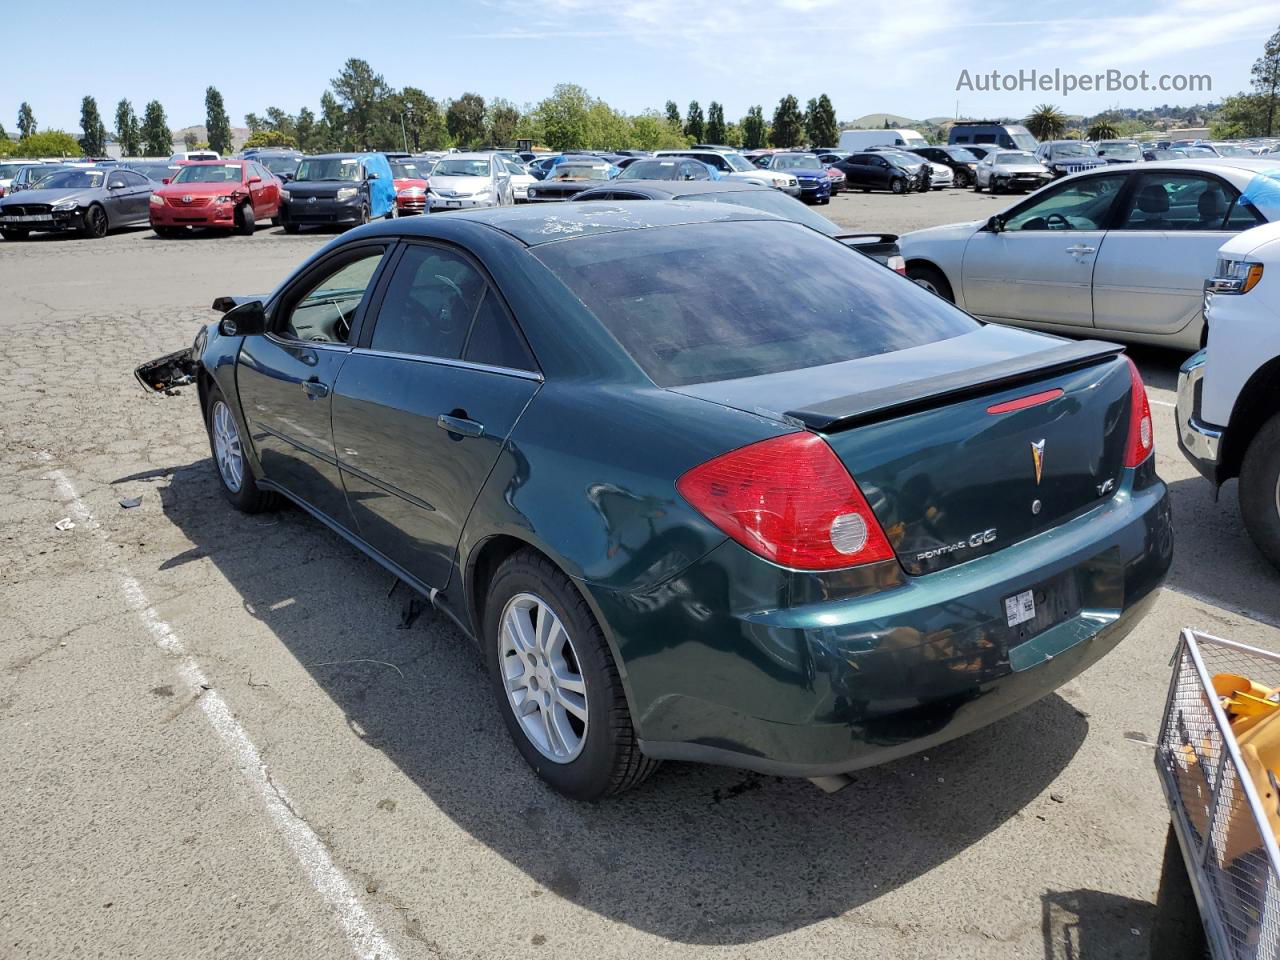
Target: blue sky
{"type": "Point", "coordinates": [633, 53]}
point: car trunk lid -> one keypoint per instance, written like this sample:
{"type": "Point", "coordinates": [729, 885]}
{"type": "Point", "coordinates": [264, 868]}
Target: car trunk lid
{"type": "Point", "coordinates": [963, 452]}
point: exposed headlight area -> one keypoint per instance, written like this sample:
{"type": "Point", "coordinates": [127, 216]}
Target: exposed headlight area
{"type": "Point", "coordinates": [63, 205]}
{"type": "Point", "coordinates": [346, 193]}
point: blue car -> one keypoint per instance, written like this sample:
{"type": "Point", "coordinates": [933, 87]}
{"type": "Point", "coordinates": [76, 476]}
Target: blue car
{"type": "Point", "coordinates": [815, 184]}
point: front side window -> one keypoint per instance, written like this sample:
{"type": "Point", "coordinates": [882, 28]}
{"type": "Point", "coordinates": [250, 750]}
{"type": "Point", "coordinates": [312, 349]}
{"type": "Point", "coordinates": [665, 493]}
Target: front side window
{"type": "Point", "coordinates": [1179, 201]}
{"type": "Point", "coordinates": [429, 304]}
{"type": "Point", "coordinates": [327, 310]}
{"type": "Point", "coordinates": [720, 301]}
{"type": "Point", "coordinates": [1079, 205]}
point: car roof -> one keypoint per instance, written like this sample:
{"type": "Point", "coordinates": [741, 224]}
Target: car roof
{"type": "Point", "coordinates": [473, 155]}
{"type": "Point", "coordinates": [215, 163]}
{"type": "Point", "coordinates": [537, 224]}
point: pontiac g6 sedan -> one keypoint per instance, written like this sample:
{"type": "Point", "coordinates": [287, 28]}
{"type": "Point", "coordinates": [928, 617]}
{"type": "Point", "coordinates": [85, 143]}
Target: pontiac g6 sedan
{"type": "Point", "coordinates": [700, 482]}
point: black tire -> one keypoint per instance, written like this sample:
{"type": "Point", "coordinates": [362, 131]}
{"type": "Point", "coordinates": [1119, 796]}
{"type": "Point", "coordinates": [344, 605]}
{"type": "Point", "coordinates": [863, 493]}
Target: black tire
{"type": "Point", "coordinates": [977, 188]}
{"type": "Point", "coordinates": [289, 226]}
{"type": "Point", "coordinates": [924, 273]}
{"type": "Point", "coordinates": [394, 212]}
{"type": "Point", "coordinates": [364, 215]}
{"type": "Point", "coordinates": [610, 760]}
{"type": "Point", "coordinates": [245, 220]}
{"type": "Point", "coordinates": [865, 189]}
{"type": "Point", "coordinates": [94, 223]}
{"type": "Point", "coordinates": [14, 233]}
{"type": "Point", "coordinates": [249, 497]}
{"type": "Point", "coordinates": [1176, 931]}
{"type": "Point", "coordinates": [897, 185]}
{"type": "Point", "coordinates": [1260, 490]}
{"type": "Point", "coordinates": [825, 200]}
{"type": "Point", "coordinates": [997, 186]}
{"type": "Point", "coordinates": [275, 221]}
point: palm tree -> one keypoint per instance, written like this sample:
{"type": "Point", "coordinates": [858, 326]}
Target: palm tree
{"type": "Point", "coordinates": [1102, 130]}
{"type": "Point", "coordinates": [1046, 122]}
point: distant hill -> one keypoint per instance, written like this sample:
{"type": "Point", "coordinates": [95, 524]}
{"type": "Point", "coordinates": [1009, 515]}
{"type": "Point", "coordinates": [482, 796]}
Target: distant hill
{"type": "Point", "coordinates": [878, 121]}
{"type": "Point", "coordinates": [238, 136]}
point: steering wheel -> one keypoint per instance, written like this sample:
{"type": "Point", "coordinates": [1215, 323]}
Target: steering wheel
{"type": "Point", "coordinates": [456, 289]}
{"type": "Point", "coordinates": [1056, 221]}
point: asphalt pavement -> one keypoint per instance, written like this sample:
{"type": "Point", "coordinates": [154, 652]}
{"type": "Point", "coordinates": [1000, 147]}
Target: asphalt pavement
{"type": "Point", "coordinates": [228, 736]}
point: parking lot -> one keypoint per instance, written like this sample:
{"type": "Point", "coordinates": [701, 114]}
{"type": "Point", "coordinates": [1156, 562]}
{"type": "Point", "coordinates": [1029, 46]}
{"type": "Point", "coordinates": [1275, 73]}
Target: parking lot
{"type": "Point", "coordinates": [227, 735]}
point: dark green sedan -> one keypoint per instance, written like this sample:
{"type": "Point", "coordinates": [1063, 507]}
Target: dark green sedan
{"type": "Point", "coordinates": [702, 483]}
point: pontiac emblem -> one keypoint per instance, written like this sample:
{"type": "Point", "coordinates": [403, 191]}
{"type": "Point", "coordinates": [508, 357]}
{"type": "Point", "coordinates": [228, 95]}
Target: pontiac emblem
{"type": "Point", "coordinates": [1037, 457]}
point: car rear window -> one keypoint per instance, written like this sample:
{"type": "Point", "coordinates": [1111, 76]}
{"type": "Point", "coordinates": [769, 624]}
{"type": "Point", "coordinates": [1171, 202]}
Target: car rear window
{"type": "Point", "coordinates": [720, 301]}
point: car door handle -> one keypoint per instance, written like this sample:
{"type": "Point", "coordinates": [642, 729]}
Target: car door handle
{"type": "Point", "coordinates": [460, 426]}
{"type": "Point", "coordinates": [314, 389]}
{"type": "Point", "coordinates": [1081, 248]}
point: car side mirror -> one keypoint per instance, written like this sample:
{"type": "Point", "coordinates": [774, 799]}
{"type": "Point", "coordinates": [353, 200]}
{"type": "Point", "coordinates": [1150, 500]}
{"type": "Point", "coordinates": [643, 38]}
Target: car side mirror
{"type": "Point", "coordinates": [246, 320]}
{"type": "Point", "coordinates": [165, 180]}
{"type": "Point", "coordinates": [254, 180]}
{"type": "Point", "coordinates": [995, 223]}
{"type": "Point", "coordinates": [373, 176]}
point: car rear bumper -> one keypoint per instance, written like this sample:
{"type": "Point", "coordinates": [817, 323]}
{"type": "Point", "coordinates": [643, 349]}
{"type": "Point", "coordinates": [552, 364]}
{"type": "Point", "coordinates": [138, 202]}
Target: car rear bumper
{"type": "Point", "coordinates": [721, 671]}
{"type": "Point", "coordinates": [457, 203]}
{"type": "Point", "coordinates": [1199, 442]}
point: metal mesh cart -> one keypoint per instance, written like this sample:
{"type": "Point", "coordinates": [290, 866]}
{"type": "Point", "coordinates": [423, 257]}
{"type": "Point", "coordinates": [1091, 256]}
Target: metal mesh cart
{"type": "Point", "coordinates": [1223, 821]}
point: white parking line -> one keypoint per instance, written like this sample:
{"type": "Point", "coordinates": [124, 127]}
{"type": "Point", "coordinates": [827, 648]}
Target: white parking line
{"type": "Point", "coordinates": [1162, 403]}
{"type": "Point", "coordinates": [360, 929]}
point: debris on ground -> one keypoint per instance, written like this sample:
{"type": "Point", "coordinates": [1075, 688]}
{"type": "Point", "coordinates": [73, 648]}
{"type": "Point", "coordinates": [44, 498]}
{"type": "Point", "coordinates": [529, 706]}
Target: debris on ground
{"type": "Point", "coordinates": [66, 523]}
{"type": "Point", "coordinates": [129, 503]}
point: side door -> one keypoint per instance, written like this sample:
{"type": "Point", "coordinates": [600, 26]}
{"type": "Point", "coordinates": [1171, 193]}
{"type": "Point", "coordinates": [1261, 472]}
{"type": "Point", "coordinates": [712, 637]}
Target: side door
{"type": "Point", "coordinates": [1039, 268]}
{"type": "Point", "coordinates": [258, 182]}
{"type": "Point", "coordinates": [285, 378]}
{"type": "Point", "coordinates": [1153, 263]}
{"type": "Point", "coordinates": [118, 202]}
{"type": "Point", "coordinates": [139, 189]}
{"type": "Point", "coordinates": [855, 169]}
{"type": "Point", "coordinates": [424, 404]}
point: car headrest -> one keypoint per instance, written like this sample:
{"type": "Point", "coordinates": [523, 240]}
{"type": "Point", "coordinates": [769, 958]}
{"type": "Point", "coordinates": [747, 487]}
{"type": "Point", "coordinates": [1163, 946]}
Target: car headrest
{"type": "Point", "coordinates": [1211, 204]}
{"type": "Point", "coordinates": [1153, 199]}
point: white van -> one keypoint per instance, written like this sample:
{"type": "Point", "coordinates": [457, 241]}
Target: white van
{"type": "Point", "coordinates": [853, 141]}
{"type": "Point", "coordinates": [188, 156]}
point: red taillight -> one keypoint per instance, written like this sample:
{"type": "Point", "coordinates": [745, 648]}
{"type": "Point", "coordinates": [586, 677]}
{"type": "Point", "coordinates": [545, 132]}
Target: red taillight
{"type": "Point", "coordinates": [1142, 438]}
{"type": "Point", "coordinates": [791, 501]}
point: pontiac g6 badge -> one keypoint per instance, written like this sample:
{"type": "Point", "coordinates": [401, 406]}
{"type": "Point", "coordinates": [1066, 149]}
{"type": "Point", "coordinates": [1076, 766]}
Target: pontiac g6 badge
{"type": "Point", "coordinates": [1037, 457]}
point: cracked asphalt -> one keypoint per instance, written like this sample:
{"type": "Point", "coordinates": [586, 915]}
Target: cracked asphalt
{"type": "Point", "coordinates": [130, 829]}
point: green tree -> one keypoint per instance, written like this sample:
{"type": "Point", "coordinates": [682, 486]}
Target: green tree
{"type": "Point", "coordinates": [1101, 129]}
{"type": "Point", "coordinates": [1046, 122]}
{"type": "Point", "coordinates": [190, 141]}
{"type": "Point", "coordinates": [1266, 84]}
{"type": "Point", "coordinates": [820, 122]}
{"type": "Point", "coordinates": [26, 121]}
{"type": "Point", "coordinates": [271, 138]}
{"type": "Point", "coordinates": [332, 129]}
{"type": "Point", "coordinates": [693, 122]}
{"type": "Point", "coordinates": [788, 123]}
{"type": "Point", "coordinates": [652, 130]}
{"type": "Point", "coordinates": [305, 128]}
{"type": "Point", "coordinates": [94, 141]}
{"type": "Point", "coordinates": [254, 122]}
{"type": "Point", "coordinates": [673, 114]}
{"type": "Point", "coordinates": [753, 129]}
{"type": "Point", "coordinates": [715, 123]}
{"type": "Point", "coordinates": [364, 98]}
{"type": "Point", "coordinates": [157, 138]}
{"type": "Point", "coordinates": [732, 135]}
{"type": "Point", "coordinates": [216, 122]}
{"type": "Point", "coordinates": [50, 143]}
{"type": "Point", "coordinates": [127, 134]}
{"type": "Point", "coordinates": [503, 120]}
{"type": "Point", "coordinates": [564, 116]}
{"type": "Point", "coordinates": [465, 119]}
{"type": "Point", "coordinates": [424, 120]}
{"type": "Point", "coordinates": [1243, 115]}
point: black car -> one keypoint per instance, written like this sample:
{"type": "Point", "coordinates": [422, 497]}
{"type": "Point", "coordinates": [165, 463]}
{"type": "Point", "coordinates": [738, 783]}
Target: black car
{"type": "Point", "coordinates": [283, 163]}
{"type": "Point", "coordinates": [962, 162]}
{"type": "Point", "coordinates": [882, 247]}
{"type": "Point", "coordinates": [881, 171]}
{"type": "Point", "coordinates": [570, 177]}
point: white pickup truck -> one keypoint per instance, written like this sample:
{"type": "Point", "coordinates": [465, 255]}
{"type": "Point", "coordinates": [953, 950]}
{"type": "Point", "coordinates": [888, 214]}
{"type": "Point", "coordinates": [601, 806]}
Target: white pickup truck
{"type": "Point", "coordinates": [1229, 393]}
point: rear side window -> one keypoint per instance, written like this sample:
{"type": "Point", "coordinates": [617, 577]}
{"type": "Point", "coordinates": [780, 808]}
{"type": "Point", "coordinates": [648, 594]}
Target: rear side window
{"type": "Point", "coordinates": [494, 339]}
{"type": "Point", "coordinates": [721, 301]}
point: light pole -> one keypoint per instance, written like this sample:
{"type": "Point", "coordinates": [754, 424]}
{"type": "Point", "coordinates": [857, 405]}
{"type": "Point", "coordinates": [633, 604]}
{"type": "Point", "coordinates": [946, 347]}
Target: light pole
{"type": "Point", "coordinates": [408, 112]}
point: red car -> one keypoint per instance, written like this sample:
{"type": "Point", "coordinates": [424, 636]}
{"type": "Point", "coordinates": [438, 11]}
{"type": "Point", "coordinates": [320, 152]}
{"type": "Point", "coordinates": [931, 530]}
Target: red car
{"type": "Point", "coordinates": [411, 187]}
{"type": "Point", "coordinates": [223, 194]}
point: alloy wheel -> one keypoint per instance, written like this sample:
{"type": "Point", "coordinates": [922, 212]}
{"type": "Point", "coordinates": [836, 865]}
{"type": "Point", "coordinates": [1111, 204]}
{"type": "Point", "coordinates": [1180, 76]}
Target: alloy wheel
{"type": "Point", "coordinates": [226, 446]}
{"type": "Point", "coordinates": [542, 677]}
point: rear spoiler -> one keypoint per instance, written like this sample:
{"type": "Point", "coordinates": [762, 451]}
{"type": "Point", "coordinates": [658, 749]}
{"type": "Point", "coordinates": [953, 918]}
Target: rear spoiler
{"type": "Point", "coordinates": [913, 395]}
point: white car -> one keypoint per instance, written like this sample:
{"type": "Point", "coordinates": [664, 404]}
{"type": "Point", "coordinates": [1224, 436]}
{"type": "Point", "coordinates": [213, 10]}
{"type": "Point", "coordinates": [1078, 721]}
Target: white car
{"type": "Point", "coordinates": [462, 180]}
{"type": "Point", "coordinates": [1010, 170]}
{"type": "Point", "coordinates": [940, 175]}
{"type": "Point", "coordinates": [9, 169]}
{"type": "Point", "coordinates": [521, 179]}
{"type": "Point", "coordinates": [1229, 393]}
{"type": "Point", "coordinates": [734, 166]}
{"type": "Point", "coordinates": [1121, 251]}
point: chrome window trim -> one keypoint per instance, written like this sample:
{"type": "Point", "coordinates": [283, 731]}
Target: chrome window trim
{"type": "Point", "coordinates": [532, 375]}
